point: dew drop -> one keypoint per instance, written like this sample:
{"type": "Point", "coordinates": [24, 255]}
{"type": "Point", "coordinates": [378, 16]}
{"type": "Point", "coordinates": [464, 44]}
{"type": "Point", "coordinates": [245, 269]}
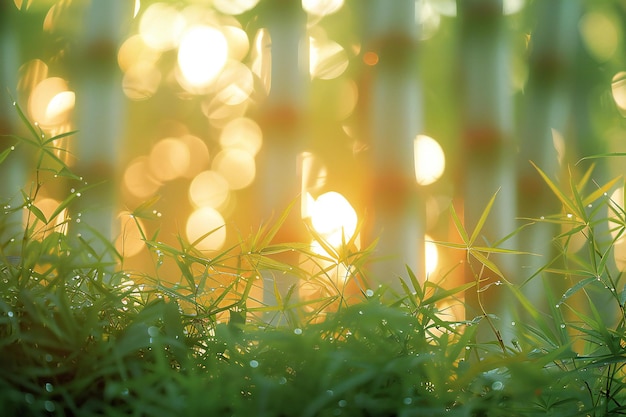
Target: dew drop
{"type": "Point", "coordinates": [497, 386]}
{"type": "Point", "coordinates": [49, 406]}
{"type": "Point", "coordinates": [49, 387]}
{"type": "Point", "coordinates": [297, 330]}
{"type": "Point", "coordinates": [407, 400]}
{"type": "Point", "coordinates": [254, 364]}
{"type": "Point", "coordinates": [10, 314]}
{"type": "Point", "coordinates": [342, 403]}
{"type": "Point", "coordinates": [153, 331]}
{"type": "Point", "coordinates": [369, 292]}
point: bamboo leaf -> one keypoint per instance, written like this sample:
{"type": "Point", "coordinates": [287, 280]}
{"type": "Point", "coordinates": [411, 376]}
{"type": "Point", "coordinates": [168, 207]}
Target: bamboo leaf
{"type": "Point", "coordinates": [577, 287]}
{"type": "Point", "coordinates": [459, 226]}
{"type": "Point", "coordinates": [567, 203]}
{"type": "Point", "coordinates": [601, 155]}
{"type": "Point", "coordinates": [38, 213]}
{"type": "Point", "coordinates": [59, 136]}
{"type": "Point", "coordinates": [485, 261]}
{"type": "Point", "coordinates": [482, 220]}
{"type": "Point", "coordinates": [4, 154]}
{"type": "Point", "coordinates": [600, 191]}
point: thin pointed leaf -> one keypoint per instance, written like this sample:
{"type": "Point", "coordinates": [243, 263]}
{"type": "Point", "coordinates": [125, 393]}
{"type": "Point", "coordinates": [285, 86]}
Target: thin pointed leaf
{"type": "Point", "coordinates": [485, 261]}
{"type": "Point", "coordinates": [600, 191]}
{"type": "Point", "coordinates": [59, 136]}
{"type": "Point", "coordinates": [38, 213]}
{"type": "Point", "coordinates": [567, 203]}
{"type": "Point", "coordinates": [482, 220]}
{"type": "Point", "coordinates": [459, 225]}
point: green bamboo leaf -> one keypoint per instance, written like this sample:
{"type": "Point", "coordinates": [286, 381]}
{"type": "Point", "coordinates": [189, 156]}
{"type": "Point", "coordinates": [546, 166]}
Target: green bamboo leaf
{"type": "Point", "coordinates": [59, 136]}
{"type": "Point", "coordinates": [66, 173]}
{"type": "Point", "coordinates": [567, 203]}
{"type": "Point", "coordinates": [601, 155]}
{"type": "Point", "coordinates": [38, 213]}
{"type": "Point", "coordinates": [482, 220]}
{"type": "Point", "coordinates": [415, 282]}
{"type": "Point", "coordinates": [600, 191]}
{"type": "Point", "coordinates": [459, 226]}
{"type": "Point", "coordinates": [271, 233]}
{"type": "Point", "coordinates": [577, 287]}
{"type": "Point", "coordinates": [585, 178]}
{"type": "Point", "coordinates": [4, 154]}
{"type": "Point", "coordinates": [409, 293]}
{"type": "Point", "coordinates": [29, 126]}
{"type": "Point", "coordinates": [485, 261]}
{"type": "Point", "coordinates": [443, 294]}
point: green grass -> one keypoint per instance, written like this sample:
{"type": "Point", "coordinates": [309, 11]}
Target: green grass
{"type": "Point", "coordinates": [82, 337]}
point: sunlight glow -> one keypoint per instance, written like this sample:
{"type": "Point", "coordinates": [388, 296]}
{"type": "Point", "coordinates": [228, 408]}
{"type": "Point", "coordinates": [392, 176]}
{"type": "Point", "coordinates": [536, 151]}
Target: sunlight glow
{"type": "Point", "coordinates": [234, 7]}
{"type": "Point", "coordinates": [328, 59]}
{"type": "Point", "coordinates": [202, 54]}
{"type": "Point", "coordinates": [208, 189]}
{"type": "Point", "coordinates": [601, 34]}
{"type": "Point", "coordinates": [432, 256]}
{"type": "Point", "coordinates": [236, 166]}
{"type": "Point", "coordinates": [137, 178]}
{"type": "Point", "coordinates": [129, 242]}
{"type": "Point", "coordinates": [322, 7]}
{"type": "Point", "coordinates": [169, 159]}
{"type": "Point", "coordinates": [430, 161]}
{"type": "Point", "coordinates": [618, 89]}
{"type": "Point", "coordinates": [205, 220]}
{"type": "Point", "coordinates": [51, 103]}
{"type": "Point", "coordinates": [261, 58]}
{"type": "Point", "coordinates": [161, 26]}
{"type": "Point", "coordinates": [198, 155]}
{"type": "Point", "coordinates": [332, 216]}
{"type": "Point", "coordinates": [242, 133]}
{"type": "Point", "coordinates": [234, 84]}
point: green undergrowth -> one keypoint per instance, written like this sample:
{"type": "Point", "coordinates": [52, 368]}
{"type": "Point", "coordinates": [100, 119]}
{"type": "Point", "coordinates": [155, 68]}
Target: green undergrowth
{"type": "Point", "coordinates": [81, 336]}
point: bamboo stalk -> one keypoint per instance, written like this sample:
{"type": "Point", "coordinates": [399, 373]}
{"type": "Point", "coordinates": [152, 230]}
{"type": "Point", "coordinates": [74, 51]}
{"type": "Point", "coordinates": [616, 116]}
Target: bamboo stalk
{"type": "Point", "coordinates": [282, 118]}
{"type": "Point", "coordinates": [100, 120]}
{"type": "Point", "coordinates": [395, 118]}
{"type": "Point", "coordinates": [546, 114]}
{"type": "Point", "coordinates": [487, 134]}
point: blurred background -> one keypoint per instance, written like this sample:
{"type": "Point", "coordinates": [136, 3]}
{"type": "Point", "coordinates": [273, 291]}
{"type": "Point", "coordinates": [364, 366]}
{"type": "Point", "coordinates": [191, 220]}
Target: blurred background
{"type": "Point", "coordinates": [369, 116]}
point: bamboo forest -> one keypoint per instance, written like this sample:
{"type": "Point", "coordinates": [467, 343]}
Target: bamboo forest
{"type": "Point", "coordinates": [287, 159]}
{"type": "Point", "coordinates": [380, 114]}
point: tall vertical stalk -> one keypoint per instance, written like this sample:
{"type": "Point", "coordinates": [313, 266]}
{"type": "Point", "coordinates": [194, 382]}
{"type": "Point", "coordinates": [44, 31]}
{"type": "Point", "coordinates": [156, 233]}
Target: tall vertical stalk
{"type": "Point", "coordinates": [99, 116]}
{"type": "Point", "coordinates": [395, 118]}
{"type": "Point", "coordinates": [546, 113]}
{"type": "Point", "coordinates": [487, 127]}
{"type": "Point", "coordinates": [281, 118]}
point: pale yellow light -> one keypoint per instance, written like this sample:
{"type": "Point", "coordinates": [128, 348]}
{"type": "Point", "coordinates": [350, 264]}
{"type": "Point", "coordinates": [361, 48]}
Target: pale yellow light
{"type": "Point", "coordinates": [198, 155]}
{"type": "Point", "coordinates": [234, 7]}
{"type": "Point", "coordinates": [51, 103]}
{"type": "Point", "coordinates": [430, 161]}
{"type": "Point", "coordinates": [333, 217]}
{"type": "Point", "coordinates": [208, 189]}
{"type": "Point", "coordinates": [137, 8]}
{"type": "Point", "coordinates": [327, 59]}
{"type": "Point", "coordinates": [169, 159]}
{"type": "Point", "coordinates": [322, 7]}
{"type": "Point", "coordinates": [601, 34]}
{"type": "Point", "coordinates": [129, 242]}
{"type": "Point", "coordinates": [242, 133]}
{"type": "Point", "coordinates": [234, 84]}
{"type": "Point", "coordinates": [431, 255]}
{"type": "Point", "coordinates": [618, 88]}
{"type": "Point", "coordinates": [202, 221]}
{"type": "Point", "coordinates": [161, 26]}
{"type": "Point", "coordinates": [262, 59]}
{"type": "Point", "coordinates": [138, 180]}
{"type": "Point", "coordinates": [60, 106]}
{"type": "Point", "coordinates": [202, 54]}
{"type": "Point", "coordinates": [236, 166]}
